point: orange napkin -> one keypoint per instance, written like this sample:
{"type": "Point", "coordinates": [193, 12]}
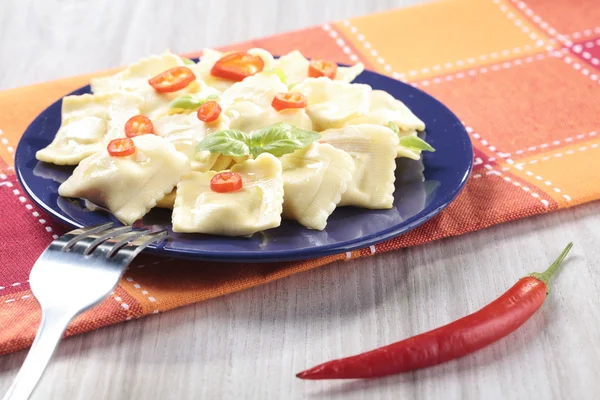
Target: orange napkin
{"type": "Point", "coordinates": [522, 76]}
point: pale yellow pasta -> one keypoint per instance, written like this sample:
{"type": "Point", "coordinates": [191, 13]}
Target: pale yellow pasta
{"type": "Point", "coordinates": [88, 123]}
{"type": "Point", "coordinates": [314, 180]}
{"type": "Point", "coordinates": [259, 89]}
{"type": "Point", "coordinates": [353, 163]}
{"type": "Point", "coordinates": [187, 126]}
{"type": "Point", "coordinates": [247, 117]}
{"type": "Point", "coordinates": [222, 163]}
{"type": "Point", "coordinates": [331, 104]}
{"type": "Point", "coordinates": [295, 69]}
{"type": "Point", "coordinates": [254, 208]}
{"type": "Point", "coordinates": [373, 149]}
{"type": "Point", "coordinates": [128, 186]}
{"type": "Point", "coordinates": [383, 109]}
{"type": "Point", "coordinates": [200, 161]}
{"type": "Point", "coordinates": [210, 57]}
{"type": "Point", "coordinates": [134, 79]}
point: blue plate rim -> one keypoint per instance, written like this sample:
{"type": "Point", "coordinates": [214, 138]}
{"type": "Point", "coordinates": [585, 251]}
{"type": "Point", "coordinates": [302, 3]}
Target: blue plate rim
{"type": "Point", "coordinates": [284, 255]}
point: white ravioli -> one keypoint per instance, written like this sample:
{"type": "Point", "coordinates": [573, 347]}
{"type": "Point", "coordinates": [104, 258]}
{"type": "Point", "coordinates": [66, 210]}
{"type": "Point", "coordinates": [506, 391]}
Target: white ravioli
{"type": "Point", "coordinates": [384, 108]}
{"type": "Point", "coordinates": [200, 161]}
{"type": "Point", "coordinates": [331, 104]}
{"type": "Point", "coordinates": [128, 186]}
{"type": "Point", "coordinates": [168, 201]}
{"type": "Point", "coordinates": [135, 77]}
{"type": "Point", "coordinates": [222, 163]}
{"type": "Point", "coordinates": [314, 180]}
{"type": "Point", "coordinates": [247, 116]}
{"type": "Point", "coordinates": [185, 131]}
{"type": "Point", "coordinates": [295, 68]}
{"type": "Point", "coordinates": [210, 57]}
{"type": "Point", "coordinates": [203, 67]}
{"type": "Point", "coordinates": [259, 89]}
{"type": "Point", "coordinates": [267, 57]}
{"type": "Point", "coordinates": [88, 122]}
{"type": "Point", "coordinates": [187, 126]}
{"type": "Point", "coordinates": [373, 149]}
{"type": "Point", "coordinates": [348, 74]}
{"type": "Point", "coordinates": [255, 207]}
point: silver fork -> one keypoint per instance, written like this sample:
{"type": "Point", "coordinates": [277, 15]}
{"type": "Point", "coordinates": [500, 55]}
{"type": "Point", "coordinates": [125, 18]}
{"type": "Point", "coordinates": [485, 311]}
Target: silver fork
{"type": "Point", "coordinates": [76, 272]}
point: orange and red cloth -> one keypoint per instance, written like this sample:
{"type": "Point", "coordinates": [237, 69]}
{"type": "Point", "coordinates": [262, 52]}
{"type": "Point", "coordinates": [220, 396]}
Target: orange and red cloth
{"type": "Point", "coordinates": [522, 76]}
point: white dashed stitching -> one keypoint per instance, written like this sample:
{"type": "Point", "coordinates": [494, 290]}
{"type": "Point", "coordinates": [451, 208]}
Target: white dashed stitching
{"type": "Point", "coordinates": [540, 22]}
{"type": "Point", "coordinates": [578, 67]}
{"type": "Point", "coordinates": [568, 152]}
{"type": "Point", "coordinates": [340, 42]}
{"type": "Point", "coordinates": [23, 200]}
{"type": "Point", "coordinates": [581, 49]}
{"type": "Point", "coordinates": [4, 141]}
{"type": "Point", "coordinates": [492, 67]}
{"type": "Point", "coordinates": [585, 32]}
{"type": "Point", "coordinates": [555, 143]}
{"type": "Point", "coordinates": [144, 292]}
{"type": "Point", "coordinates": [526, 189]}
{"type": "Point", "coordinates": [504, 156]}
{"type": "Point", "coordinates": [438, 67]}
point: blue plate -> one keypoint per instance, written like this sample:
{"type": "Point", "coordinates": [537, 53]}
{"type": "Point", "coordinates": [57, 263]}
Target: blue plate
{"type": "Point", "coordinates": [423, 189]}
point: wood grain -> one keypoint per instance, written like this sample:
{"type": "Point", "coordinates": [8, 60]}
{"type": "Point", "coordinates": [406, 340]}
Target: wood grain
{"type": "Point", "coordinates": [250, 344]}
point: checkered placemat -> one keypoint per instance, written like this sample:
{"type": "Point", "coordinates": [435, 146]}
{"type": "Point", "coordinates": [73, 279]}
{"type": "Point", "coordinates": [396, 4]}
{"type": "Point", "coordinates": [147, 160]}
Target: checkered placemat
{"type": "Point", "coordinates": [523, 76]}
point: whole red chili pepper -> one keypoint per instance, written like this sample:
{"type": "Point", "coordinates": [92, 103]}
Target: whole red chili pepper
{"type": "Point", "coordinates": [451, 341]}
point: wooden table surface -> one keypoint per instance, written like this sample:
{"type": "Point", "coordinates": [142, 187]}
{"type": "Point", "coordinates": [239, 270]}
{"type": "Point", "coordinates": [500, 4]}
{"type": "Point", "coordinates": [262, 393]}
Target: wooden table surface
{"type": "Point", "coordinates": [250, 344]}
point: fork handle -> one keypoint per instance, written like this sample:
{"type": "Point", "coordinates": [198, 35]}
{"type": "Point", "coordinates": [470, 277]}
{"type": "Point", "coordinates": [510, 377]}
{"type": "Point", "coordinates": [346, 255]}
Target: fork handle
{"type": "Point", "coordinates": [48, 335]}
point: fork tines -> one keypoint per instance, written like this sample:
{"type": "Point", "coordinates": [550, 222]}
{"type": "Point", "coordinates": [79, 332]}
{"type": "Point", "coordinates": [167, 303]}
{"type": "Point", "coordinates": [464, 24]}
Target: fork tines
{"type": "Point", "coordinates": [105, 240]}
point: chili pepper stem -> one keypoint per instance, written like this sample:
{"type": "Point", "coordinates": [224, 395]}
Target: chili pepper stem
{"type": "Point", "coordinates": [547, 274]}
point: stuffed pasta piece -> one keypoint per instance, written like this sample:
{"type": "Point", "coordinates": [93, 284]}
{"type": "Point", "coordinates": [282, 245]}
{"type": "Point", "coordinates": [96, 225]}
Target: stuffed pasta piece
{"type": "Point", "coordinates": [314, 180]}
{"type": "Point", "coordinates": [247, 199]}
{"type": "Point", "coordinates": [249, 105]}
{"type": "Point", "coordinates": [331, 104]}
{"type": "Point", "coordinates": [295, 68]}
{"type": "Point", "coordinates": [129, 177]}
{"type": "Point", "coordinates": [159, 79]}
{"type": "Point", "coordinates": [88, 122]}
{"type": "Point", "coordinates": [187, 126]}
{"type": "Point", "coordinates": [247, 117]}
{"type": "Point", "coordinates": [204, 68]}
{"type": "Point", "coordinates": [384, 109]}
{"type": "Point", "coordinates": [185, 130]}
{"type": "Point", "coordinates": [373, 149]}
{"type": "Point", "coordinates": [259, 89]}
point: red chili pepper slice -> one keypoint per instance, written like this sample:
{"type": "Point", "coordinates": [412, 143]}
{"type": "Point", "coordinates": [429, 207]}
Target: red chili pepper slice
{"type": "Point", "coordinates": [209, 111]}
{"type": "Point", "coordinates": [457, 339]}
{"type": "Point", "coordinates": [283, 101]}
{"type": "Point", "coordinates": [318, 68]}
{"type": "Point", "coordinates": [121, 147]}
{"type": "Point", "coordinates": [237, 66]}
{"type": "Point", "coordinates": [172, 80]}
{"type": "Point", "coordinates": [138, 125]}
{"type": "Point", "coordinates": [226, 182]}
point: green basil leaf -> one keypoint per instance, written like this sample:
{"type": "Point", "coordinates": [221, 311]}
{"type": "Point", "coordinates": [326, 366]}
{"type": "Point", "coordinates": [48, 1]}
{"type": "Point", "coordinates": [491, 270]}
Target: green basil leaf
{"type": "Point", "coordinates": [187, 61]}
{"type": "Point", "coordinates": [393, 126]}
{"type": "Point", "coordinates": [279, 139]}
{"type": "Point", "coordinates": [228, 142]}
{"type": "Point", "coordinates": [187, 102]}
{"type": "Point", "coordinates": [190, 102]}
{"type": "Point", "coordinates": [415, 143]}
